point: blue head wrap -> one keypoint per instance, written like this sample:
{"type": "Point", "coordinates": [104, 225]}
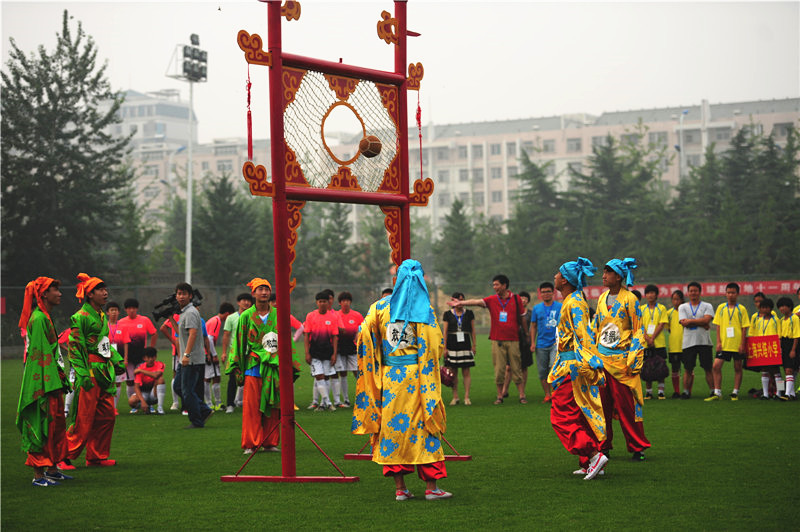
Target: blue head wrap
{"type": "Point", "coordinates": [624, 268]}
{"type": "Point", "coordinates": [576, 272]}
{"type": "Point", "coordinates": [410, 301]}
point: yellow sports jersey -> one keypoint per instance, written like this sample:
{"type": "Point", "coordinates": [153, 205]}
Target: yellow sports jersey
{"type": "Point", "coordinates": [650, 320]}
{"type": "Point", "coordinates": [731, 321]}
{"type": "Point", "coordinates": [398, 393]}
{"type": "Point", "coordinates": [620, 341]}
{"type": "Point", "coordinates": [796, 310]}
{"type": "Point", "coordinates": [675, 331]}
{"type": "Point", "coordinates": [754, 317]}
{"type": "Point", "coordinates": [789, 327]}
{"type": "Point", "coordinates": [764, 327]}
{"type": "Point", "coordinates": [577, 349]}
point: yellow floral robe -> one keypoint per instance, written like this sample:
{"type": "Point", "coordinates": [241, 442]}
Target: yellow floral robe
{"type": "Point", "coordinates": [398, 396]}
{"type": "Point", "coordinates": [576, 349]}
{"type": "Point", "coordinates": [620, 341]}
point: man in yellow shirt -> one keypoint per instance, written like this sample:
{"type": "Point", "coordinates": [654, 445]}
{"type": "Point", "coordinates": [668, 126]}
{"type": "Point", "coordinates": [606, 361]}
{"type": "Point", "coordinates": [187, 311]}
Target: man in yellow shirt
{"type": "Point", "coordinates": [654, 321]}
{"type": "Point", "coordinates": [731, 323]}
{"type": "Point", "coordinates": [789, 332]}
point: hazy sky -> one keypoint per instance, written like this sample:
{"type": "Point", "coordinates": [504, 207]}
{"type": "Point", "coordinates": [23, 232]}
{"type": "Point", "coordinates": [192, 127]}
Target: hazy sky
{"type": "Point", "coordinates": [483, 60]}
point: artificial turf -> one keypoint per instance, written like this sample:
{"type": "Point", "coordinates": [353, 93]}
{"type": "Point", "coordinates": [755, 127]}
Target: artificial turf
{"type": "Point", "coordinates": [723, 465]}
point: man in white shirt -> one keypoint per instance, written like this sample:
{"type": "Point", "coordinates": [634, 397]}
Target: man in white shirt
{"type": "Point", "coordinates": [695, 316]}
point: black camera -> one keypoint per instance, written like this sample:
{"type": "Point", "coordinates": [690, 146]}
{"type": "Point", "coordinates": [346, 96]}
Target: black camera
{"type": "Point", "coordinates": [170, 306]}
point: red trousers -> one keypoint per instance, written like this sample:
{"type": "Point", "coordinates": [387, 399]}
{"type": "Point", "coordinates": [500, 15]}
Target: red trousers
{"type": "Point", "coordinates": [570, 424]}
{"type": "Point", "coordinates": [617, 396]}
{"type": "Point", "coordinates": [93, 425]}
{"type": "Point", "coordinates": [55, 449]}
{"type": "Point", "coordinates": [255, 425]}
{"type": "Point", "coordinates": [426, 472]}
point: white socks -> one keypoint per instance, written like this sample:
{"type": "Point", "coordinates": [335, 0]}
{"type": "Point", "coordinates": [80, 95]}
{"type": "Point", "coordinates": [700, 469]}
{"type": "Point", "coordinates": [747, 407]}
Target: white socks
{"type": "Point", "coordinates": [131, 389]}
{"type": "Point", "coordinates": [216, 394]}
{"type": "Point", "coordinates": [161, 393]}
{"type": "Point", "coordinates": [68, 402]}
{"type": "Point", "coordinates": [765, 383]}
{"type": "Point", "coordinates": [336, 389]}
{"type": "Point", "coordinates": [323, 388]}
{"type": "Point", "coordinates": [790, 385]}
{"type": "Point", "coordinates": [116, 397]}
{"type": "Point", "coordinates": [345, 391]}
{"type": "Point", "coordinates": [207, 392]}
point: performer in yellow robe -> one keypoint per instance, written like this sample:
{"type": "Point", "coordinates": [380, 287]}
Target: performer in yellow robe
{"type": "Point", "coordinates": [576, 410]}
{"type": "Point", "coordinates": [621, 343]}
{"type": "Point", "coordinates": [398, 393]}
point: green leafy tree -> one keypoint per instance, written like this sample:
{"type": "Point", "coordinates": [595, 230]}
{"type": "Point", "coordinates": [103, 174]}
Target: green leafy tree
{"type": "Point", "coordinates": [373, 255]}
{"type": "Point", "coordinates": [332, 246]}
{"type": "Point", "coordinates": [456, 250]}
{"type": "Point", "coordinates": [64, 181]}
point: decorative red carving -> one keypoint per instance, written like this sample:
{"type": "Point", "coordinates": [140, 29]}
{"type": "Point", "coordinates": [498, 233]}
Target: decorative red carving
{"type": "Point", "coordinates": [294, 217]}
{"type": "Point", "coordinates": [292, 78]}
{"type": "Point", "coordinates": [391, 177]}
{"type": "Point", "coordinates": [387, 28]}
{"type": "Point", "coordinates": [290, 10]}
{"type": "Point", "coordinates": [252, 46]}
{"type": "Point", "coordinates": [415, 73]}
{"type": "Point", "coordinates": [423, 188]}
{"type": "Point", "coordinates": [341, 85]}
{"type": "Point", "coordinates": [389, 100]}
{"type": "Point", "coordinates": [293, 171]}
{"type": "Point", "coordinates": [256, 177]}
{"type": "Point", "coordinates": [392, 224]}
{"type": "Point", "coordinates": [344, 180]}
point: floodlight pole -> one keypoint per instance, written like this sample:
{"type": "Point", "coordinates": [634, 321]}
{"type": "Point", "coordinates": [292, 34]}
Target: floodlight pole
{"type": "Point", "coordinates": [189, 190]}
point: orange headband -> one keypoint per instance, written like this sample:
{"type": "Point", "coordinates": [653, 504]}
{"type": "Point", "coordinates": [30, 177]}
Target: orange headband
{"type": "Point", "coordinates": [258, 281]}
{"type": "Point", "coordinates": [86, 285]}
{"type": "Point", "coordinates": [33, 294]}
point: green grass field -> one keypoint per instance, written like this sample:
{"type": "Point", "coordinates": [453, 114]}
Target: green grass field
{"type": "Point", "coordinates": [723, 466]}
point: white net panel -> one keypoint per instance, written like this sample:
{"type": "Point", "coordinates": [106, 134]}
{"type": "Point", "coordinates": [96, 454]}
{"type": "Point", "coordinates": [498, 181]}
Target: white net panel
{"type": "Point", "coordinates": [303, 129]}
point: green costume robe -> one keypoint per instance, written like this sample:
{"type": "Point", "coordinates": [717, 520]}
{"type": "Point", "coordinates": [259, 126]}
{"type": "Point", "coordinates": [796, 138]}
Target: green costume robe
{"type": "Point", "coordinates": [89, 336]}
{"type": "Point", "coordinates": [255, 343]}
{"type": "Point", "coordinates": [43, 374]}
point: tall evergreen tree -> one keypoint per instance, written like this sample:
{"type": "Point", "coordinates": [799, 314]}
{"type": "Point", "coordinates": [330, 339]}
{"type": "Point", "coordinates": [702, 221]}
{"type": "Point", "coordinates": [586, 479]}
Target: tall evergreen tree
{"type": "Point", "coordinates": [456, 250]}
{"type": "Point", "coordinates": [64, 181]}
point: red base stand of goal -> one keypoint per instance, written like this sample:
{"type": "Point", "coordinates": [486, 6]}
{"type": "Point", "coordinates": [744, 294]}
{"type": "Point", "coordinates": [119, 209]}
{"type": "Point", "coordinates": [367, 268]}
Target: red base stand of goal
{"type": "Point", "coordinates": [284, 478]}
{"type": "Point", "coordinates": [360, 455]}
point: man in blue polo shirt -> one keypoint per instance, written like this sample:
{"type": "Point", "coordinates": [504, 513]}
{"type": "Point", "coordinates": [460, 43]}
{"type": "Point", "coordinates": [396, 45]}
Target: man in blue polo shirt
{"type": "Point", "coordinates": [544, 321]}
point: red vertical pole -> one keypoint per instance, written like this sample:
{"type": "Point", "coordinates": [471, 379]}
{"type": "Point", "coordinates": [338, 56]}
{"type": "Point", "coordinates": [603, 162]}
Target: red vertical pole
{"type": "Point", "coordinates": [281, 226]}
{"type": "Point", "coordinates": [400, 68]}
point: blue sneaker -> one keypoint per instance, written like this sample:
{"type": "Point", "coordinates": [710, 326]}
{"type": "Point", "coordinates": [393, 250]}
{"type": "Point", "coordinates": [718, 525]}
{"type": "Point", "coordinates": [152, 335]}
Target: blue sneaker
{"type": "Point", "coordinates": [42, 482]}
{"type": "Point", "coordinates": [134, 410]}
{"type": "Point", "coordinates": [57, 475]}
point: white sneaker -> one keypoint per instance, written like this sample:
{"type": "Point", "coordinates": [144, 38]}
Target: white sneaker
{"type": "Point", "coordinates": [248, 451]}
{"type": "Point", "coordinates": [174, 406]}
{"type": "Point", "coordinates": [312, 406]}
{"type": "Point", "coordinates": [582, 471]}
{"type": "Point", "coordinates": [229, 410]}
{"type": "Point", "coordinates": [595, 466]}
{"type": "Point", "coordinates": [161, 410]}
{"type": "Point", "coordinates": [436, 494]}
{"type": "Point", "coordinates": [403, 495]}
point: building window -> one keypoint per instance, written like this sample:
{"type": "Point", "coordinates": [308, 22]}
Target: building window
{"type": "Point", "coordinates": [496, 172]}
{"type": "Point", "coordinates": [722, 133]}
{"type": "Point", "coordinates": [550, 170]}
{"type": "Point", "coordinates": [204, 166]}
{"type": "Point", "coordinates": [477, 175]}
{"type": "Point", "coordinates": [477, 199]}
{"type": "Point", "coordinates": [780, 130]}
{"type": "Point", "coordinates": [225, 165]}
{"type": "Point", "coordinates": [753, 130]}
{"type": "Point", "coordinates": [444, 200]}
{"type": "Point", "coordinates": [443, 176]}
{"type": "Point", "coordinates": [462, 152]}
{"type": "Point", "coordinates": [497, 196]}
{"type": "Point", "coordinates": [442, 154]}
{"type": "Point", "coordinates": [511, 171]}
{"type": "Point", "coordinates": [691, 137]}
{"type": "Point", "coordinates": [658, 138]}
{"type": "Point", "coordinates": [495, 149]}
{"type": "Point", "coordinates": [150, 191]}
{"type": "Point", "coordinates": [693, 159]}
{"type": "Point", "coordinates": [463, 197]}
{"type": "Point", "coordinates": [549, 146]}
{"type": "Point", "coordinates": [151, 170]}
{"type": "Point", "coordinates": [463, 174]}
{"type": "Point", "coordinates": [477, 151]}
{"type": "Point", "coordinates": [599, 141]}
{"type": "Point", "coordinates": [575, 166]}
{"type": "Point", "coordinates": [630, 138]}
{"type": "Point", "coordinates": [225, 150]}
{"type": "Point", "coordinates": [497, 218]}
{"type": "Point", "coordinates": [511, 149]}
{"type": "Point", "coordinates": [574, 145]}
{"type": "Point", "coordinates": [527, 147]}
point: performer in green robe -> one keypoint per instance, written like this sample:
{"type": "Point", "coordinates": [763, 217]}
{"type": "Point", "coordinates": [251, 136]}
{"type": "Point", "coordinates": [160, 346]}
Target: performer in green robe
{"type": "Point", "coordinates": [40, 413]}
{"type": "Point", "coordinates": [96, 365]}
{"type": "Point", "coordinates": [254, 362]}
